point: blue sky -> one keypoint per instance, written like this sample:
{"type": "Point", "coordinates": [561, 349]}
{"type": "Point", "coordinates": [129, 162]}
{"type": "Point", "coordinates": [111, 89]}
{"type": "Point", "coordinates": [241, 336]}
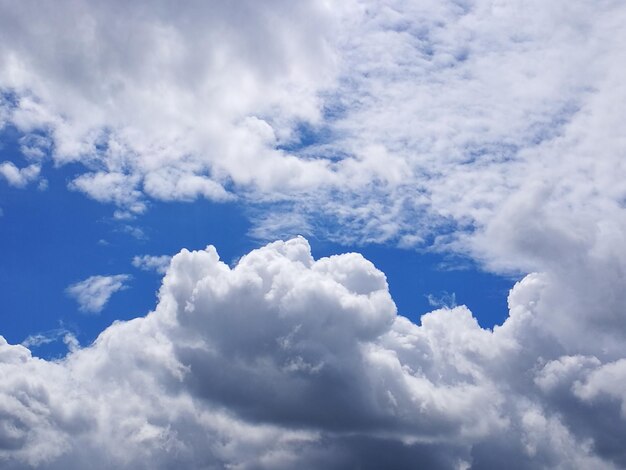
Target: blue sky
{"type": "Point", "coordinates": [461, 160]}
{"type": "Point", "coordinates": [55, 237]}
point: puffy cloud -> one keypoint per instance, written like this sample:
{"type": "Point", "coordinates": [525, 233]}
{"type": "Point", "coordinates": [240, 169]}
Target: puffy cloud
{"type": "Point", "coordinates": [378, 115]}
{"type": "Point", "coordinates": [283, 361]}
{"type": "Point", "coordinates": [169, 102]}
{"type": "Point", "coordinates": [447, 116]}
{"type": "Point", "coordinates": [19, 177]}
{"type": "Point", "coordinates": [488, 128]}
{"type": "Point", "coordinates": [111, 187]}
{"type": "Point", "coordinates": [93, 293]}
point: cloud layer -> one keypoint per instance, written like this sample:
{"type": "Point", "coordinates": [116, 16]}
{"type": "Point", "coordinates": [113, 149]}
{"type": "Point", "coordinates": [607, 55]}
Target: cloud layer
{"type": "Point", "coordinates": [285, 361]}
{"type": "Point", "coordinates": [379, 115]}
{"type": "Point", "coordinates": [168, 102]}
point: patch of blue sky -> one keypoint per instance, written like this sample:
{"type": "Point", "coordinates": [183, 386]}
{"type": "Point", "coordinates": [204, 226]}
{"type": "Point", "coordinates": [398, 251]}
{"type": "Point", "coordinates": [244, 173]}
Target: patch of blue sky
{"type": "Point", "coordinates": [553, 125]}
{"type": "Point", "coordinates": [306, 135]}
{"type": "Point", "coordinates": [314, 141]}
{"type": "Point", "coordinates": [52, 238]}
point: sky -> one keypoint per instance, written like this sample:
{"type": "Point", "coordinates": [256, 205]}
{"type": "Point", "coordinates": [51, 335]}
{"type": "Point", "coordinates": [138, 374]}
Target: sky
{"type": "Point", "coordinates": [357, 234]}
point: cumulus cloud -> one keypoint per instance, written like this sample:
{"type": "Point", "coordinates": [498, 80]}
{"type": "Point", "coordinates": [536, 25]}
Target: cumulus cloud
{"type": "Point", "coordinates": [19, 177]}
{"type": "Point", "coordinates": [152, 263]}
{"type": "Point", "coordinates": [284, 361]}
{"type": "Point", "coordinates": [493, 129]}
{"type": "Point", "coordinates": [168, 102]}
{"type": "Point", "coordinates": [93, 293]}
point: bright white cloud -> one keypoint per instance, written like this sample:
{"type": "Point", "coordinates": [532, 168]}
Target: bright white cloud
{"type": "Point", "coordinates": [286, 361]}
{"type": "Point", "coordinates": [93, 293]}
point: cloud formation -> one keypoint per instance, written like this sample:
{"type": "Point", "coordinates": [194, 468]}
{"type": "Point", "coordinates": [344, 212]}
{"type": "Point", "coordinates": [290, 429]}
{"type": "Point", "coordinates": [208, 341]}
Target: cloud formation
{"type": "Point", "coordinates": [286, 361]}
{"type": "Point", "coordinates": [51, 336]}
{"type": "Point", "coordinates": [490, 128]}
{"type": "Point", "coordinates": [378, 115]}
{"type": "Point", "coordinates": [19, 177]}
{"type": "Point", "coordinates": [93, 293]}
{"type": "Point", "coordinates": [152, 263]}
{"type": "Point", "coordinates": [167, 102]}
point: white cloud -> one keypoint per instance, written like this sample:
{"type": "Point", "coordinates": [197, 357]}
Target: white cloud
{"type": "Point", "coordinates": [492, 129]}
{"type": "Point", "coordinates": [19, 177]}
{"type": "Point", "coordinates": [34, 147]}
{"type": "Point", "coordinates": [173, 103]}
{"type": "Point", "coordinates": [38, 339]}
{"type": "Point", "coordinates": [285, 361]}
{"type": "Point", "coordinates": [111, 187]}
{"type": "Point", "coordinates": [152, 263]}
{"type": "Point", "coordinates": [51, 336]}
{"type": "Point", "coordinates": [432, 123]}
{"type": "Point", "coordinates": [93, 293]}
{"type": "Point", "coordinates": [443, 299]}
{"type": "Point", "coordinates": [70, 340]}
{"type": "Point", "coordinates": [133, 231]}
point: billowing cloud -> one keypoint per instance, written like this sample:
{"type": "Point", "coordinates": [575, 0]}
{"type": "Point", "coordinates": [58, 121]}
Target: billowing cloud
{"type": "Point", "coordinates": [286, 361]}
{"type": "Point", "coordinates": [93, 293]}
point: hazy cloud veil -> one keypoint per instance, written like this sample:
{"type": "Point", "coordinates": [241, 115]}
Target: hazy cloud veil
{"type": "Point", "coordinates": [489, 128]}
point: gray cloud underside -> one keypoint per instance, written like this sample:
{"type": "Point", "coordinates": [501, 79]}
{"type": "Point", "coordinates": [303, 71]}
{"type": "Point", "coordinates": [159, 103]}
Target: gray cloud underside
{"type": "Point", "coordinates": [285, 361]}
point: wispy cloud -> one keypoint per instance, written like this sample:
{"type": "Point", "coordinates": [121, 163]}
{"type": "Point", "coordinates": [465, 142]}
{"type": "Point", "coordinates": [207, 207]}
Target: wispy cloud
{"type": "Point", "coordinates": [93, 293]}
{"type": "Point", "coordinates": [134, 231]}
{"type": "Point", "coordinates": [443, 299]}
{"type": "Point", "coordinates": [152, 263]}
{"type": "Point", "coordinates": [51, 336]}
